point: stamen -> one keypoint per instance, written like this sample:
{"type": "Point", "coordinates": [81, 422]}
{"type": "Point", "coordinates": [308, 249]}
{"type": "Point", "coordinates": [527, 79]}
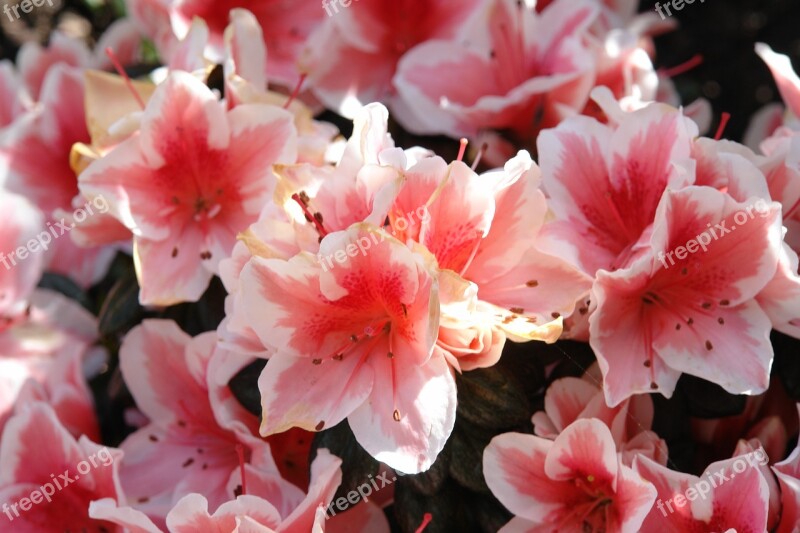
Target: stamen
{"type": "Point", "coordinates": [392, 361]}
{"type": "Point", "coordinates": [125, 77]}
{"type": "Point", "coordinates": [296, 91]}
{"type": "Point", "coordinates": [462, 149]}
{"type": "Point", "coordinates": [426, 519]}
{"type": "Point", "coordinates": [686, 66]}
{"type": "Point", "coordinates": [478, 241]}
{"type": "Point", "coordinates": [310, 216]}
{"type": "Point", "coordinates": [722, 123]}
{"type": "Point", "coordinates": [484, 147]}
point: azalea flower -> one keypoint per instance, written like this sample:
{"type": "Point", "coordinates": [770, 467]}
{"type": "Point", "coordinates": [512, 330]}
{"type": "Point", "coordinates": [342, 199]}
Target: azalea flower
{"type": "Point", "coordinates": [604, 182]}
{"type": "Point", "coordinates": [484, 229]}
{"type": "Point", "coordinates": [248, 512]}
{"type": "Point", "coordinates": [15, 100]}
{"type": "Point", "coordinates": [667, 314]}
{"type": "Point", "coordinates": [576, 482]}
{"type": "Point", "coordinates": [184, 222]}
{"type": "Point", "coordinates": [22, 223]}
{"type": "Point", "coordinates": [527, 75]}
{"type": "Point", "coordinates": [352, 57]}
{"type": "Point", "coordinates": [339, 196]}
{"type": "Point", "coordinates": [36, 450]}
{"type": "Point", "coordinates": [286, 28]}
{"type": "Point", "coordinates": [46, 355]}
{"type": "Point", "coordinates": [35, 154]}
{"type": "Point", "coordinates": [723, 498]}
{"type": "Point", "coordinates": [354, 340]}
{"type": "Point", "coordinates": [570, 399]}
{"type": "Point", "coordinates": [191, 434]}
{"type": "Point", "coordinates": [787, 80]}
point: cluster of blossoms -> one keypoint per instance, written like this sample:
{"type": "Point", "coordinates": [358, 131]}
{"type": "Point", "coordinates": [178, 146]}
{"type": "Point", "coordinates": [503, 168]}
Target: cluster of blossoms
{"type": "Point", "coordinates": [370, 279]}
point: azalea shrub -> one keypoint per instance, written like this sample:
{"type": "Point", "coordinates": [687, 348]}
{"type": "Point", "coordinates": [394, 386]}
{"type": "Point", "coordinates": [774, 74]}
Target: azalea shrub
{"type": "Point", "coordinates": [394, 266]}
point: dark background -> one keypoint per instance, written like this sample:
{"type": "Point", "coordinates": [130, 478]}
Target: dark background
{"type": "Point", "coordinates": [732, 77]}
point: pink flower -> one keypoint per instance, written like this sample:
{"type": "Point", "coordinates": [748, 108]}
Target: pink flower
{"type": "Point", "coordinates": [192, 178]}
{"type": "Point", "coordinates": [530, 72]}
{"type": "Point", "coordinates": [255, 512]}
{"type": "Point", "coordinates": [734, 169]}
{"type": "Point", "coordinates": [37, 149]}
{"type": "Point", "coordinates": [485, 229]}
{"type": "Point", "coordinates": [354, 340]}
{"type": "Point", "coordinates": [35, 451]}
{"type": "Point", "coordinates": [18, 277]}
{"type": "Point", "coordinates": [353, 55]}
{"type": "Point", "coordinates": [35, 62]}
{"type": "Point", "coordinates": [575, 483]}
{"type": "Point", "coordinates": [788, 82]}
{"type": "Point", "coordinates": [675, 311]}
{"type": "Point", "coordinates": [570, 399]}
{"type": "Point", "coordinates": [286, 28]}
{"type": "Point", "coordinates": [354, 190]}
{"type": "Point", "coordinates": [724, 497]}
{"type": "Point", "coordinates": [757, 457]}
{"type": "Point", "coordinates": [14, 99]}
{"type": "Point", "coordinates": [190, 443]}
{"type": "Point", "coordinates": [46, 357]}
{"type": "Point", "coordinates": [36, 155]}
{"type": "Point", "coordinates": [604, 183]}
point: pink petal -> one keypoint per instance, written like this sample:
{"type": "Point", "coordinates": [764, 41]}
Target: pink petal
{"type": "Point", "coordinates": [297, 393]}
{"type": "Point", "coordinates": [422, 397]}
{"type": "Point", "coordinates": [785, 77]}
{"type": "Point", "coordinates": [180, 105]}
{"type": "Point", "coordinates": [513, 464]}
{"type": "Point", "coordinates": [326, 475]}
{"type": "Point", "coordinates": [585, 447]}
